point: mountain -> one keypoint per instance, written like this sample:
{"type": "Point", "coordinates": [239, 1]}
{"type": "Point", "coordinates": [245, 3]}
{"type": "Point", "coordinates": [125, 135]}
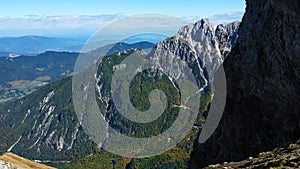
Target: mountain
{"type": "Point", "coordinates": [23, 74]}
{"type": "Point", "coordinates": [122, 46]}
{"type": "Point", "coordinates": [149, 37]}
{"type": "Point", "coordinates": [4, 54]}
{"type": "Point", "coordinates": [32, 44]}
{"type": "Point", "coordinates": [52, 64]}
{"type": "Point", "coordinates": [38, 44]}
{"type": "Point", "coordinates": [262, 70]}
{"type": "Point", "coordinates": [44, 126]}
{"type": "Point", "coordinates": [199, 45]}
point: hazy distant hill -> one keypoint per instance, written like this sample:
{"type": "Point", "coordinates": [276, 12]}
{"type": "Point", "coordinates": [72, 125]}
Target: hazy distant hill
{"type": "Point", "coordinates": [21, 75]}
{"type": "Point", "coordinates": [149, 37]}
{"type": "Point", "coordinates": [4, 54]}
{"type": "Point", "coordinates": [51, 63]}
{"type": "Point", "coordinates": [38, 44]}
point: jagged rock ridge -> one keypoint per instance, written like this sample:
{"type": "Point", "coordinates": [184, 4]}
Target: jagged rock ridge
{"type": "Point", "coordinates": [201, 43]}
{"type": "Point", "coordinates": [227, 36]}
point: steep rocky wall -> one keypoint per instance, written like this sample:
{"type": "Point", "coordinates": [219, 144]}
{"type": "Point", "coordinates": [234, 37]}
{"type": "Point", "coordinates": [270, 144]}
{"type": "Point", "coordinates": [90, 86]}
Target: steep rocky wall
{"type": "Point", "coordinates": [263, 81]}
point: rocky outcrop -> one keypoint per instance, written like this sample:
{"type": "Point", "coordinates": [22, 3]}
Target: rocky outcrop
{"type": "Point", "coordinates": [5, 165]}
{"type": "Point", "coordinates": [203, 41]}
{"type": "Point", "coordinates": [12, 161]}
{"type": "Point", "coordinates": [227, 36]}
{"type": "Point", "coordinates": [283, 157]}
{"type": "Point", "coordinates": [263, 81]}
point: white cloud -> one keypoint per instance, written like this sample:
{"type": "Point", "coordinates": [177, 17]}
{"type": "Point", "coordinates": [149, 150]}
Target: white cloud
{"type": "Point", "coordinates": [68, 21]}
{"type": "Point", "coordinates": [86, 25]}
{"type": "Point", "coordinates": [219, 18]}
{"type": "Point", "coordinates": [54, 24]}
{"type": "Point", "coordinates": [226, 18]}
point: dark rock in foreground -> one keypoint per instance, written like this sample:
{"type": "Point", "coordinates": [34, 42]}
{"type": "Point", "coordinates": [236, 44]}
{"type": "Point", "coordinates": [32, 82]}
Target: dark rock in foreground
{"type": "Point", "coordinates": [263, 77]}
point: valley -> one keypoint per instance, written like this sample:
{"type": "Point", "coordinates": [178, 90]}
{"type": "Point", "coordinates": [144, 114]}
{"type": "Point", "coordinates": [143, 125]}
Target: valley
{"type": "Point", "coordinates": [52, 133]}
{"type": "Point", "coordinates": [23, 75]}
{"type": "Point", "coordinates": [207, 96]}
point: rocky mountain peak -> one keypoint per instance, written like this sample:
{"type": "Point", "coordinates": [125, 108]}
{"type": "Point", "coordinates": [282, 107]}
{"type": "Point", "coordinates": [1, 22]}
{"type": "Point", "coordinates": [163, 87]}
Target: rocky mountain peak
{"type": "Point", "coordinates": [201, 43]}
{"type": "Point", "coordinates": [194, 32]}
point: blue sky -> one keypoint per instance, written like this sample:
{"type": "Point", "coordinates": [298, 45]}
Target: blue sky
{"type": "Point", "coordinates": [84, 17]}
{"type": "Point", "coordinates": [204, 8]}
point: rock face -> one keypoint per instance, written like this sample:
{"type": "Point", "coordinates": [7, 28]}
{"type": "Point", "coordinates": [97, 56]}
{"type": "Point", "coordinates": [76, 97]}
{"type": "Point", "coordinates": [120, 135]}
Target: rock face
{"type": "Point", "coordinates": [5, 165]}
{"type": "Point", "coordinates": [201, 43]}
{"type": "Point", "coordinates": [204, 43]}
{"type": "Point", "coordinates": [263, 81]}
{"type": "Point", "coordinates": [195, 45]}
{"type": "Point", "coordinates": [42, 124]}
{"type": "Point", "coordinates": [227, 36]}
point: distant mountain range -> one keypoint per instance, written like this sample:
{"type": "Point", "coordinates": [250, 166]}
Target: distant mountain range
{"type": "Point", "coordinates": [32, 45]}
{"type": "Point", "coordinates": [21, 75]}
{"type": "Point", "coordinates": [38, 44]}
{"type": "Point", "coordinates": [149, 37]}
{"type": "Point", "coordinates": [52, 63]}
{"type": "Point", "coordinates": [4, 54]}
